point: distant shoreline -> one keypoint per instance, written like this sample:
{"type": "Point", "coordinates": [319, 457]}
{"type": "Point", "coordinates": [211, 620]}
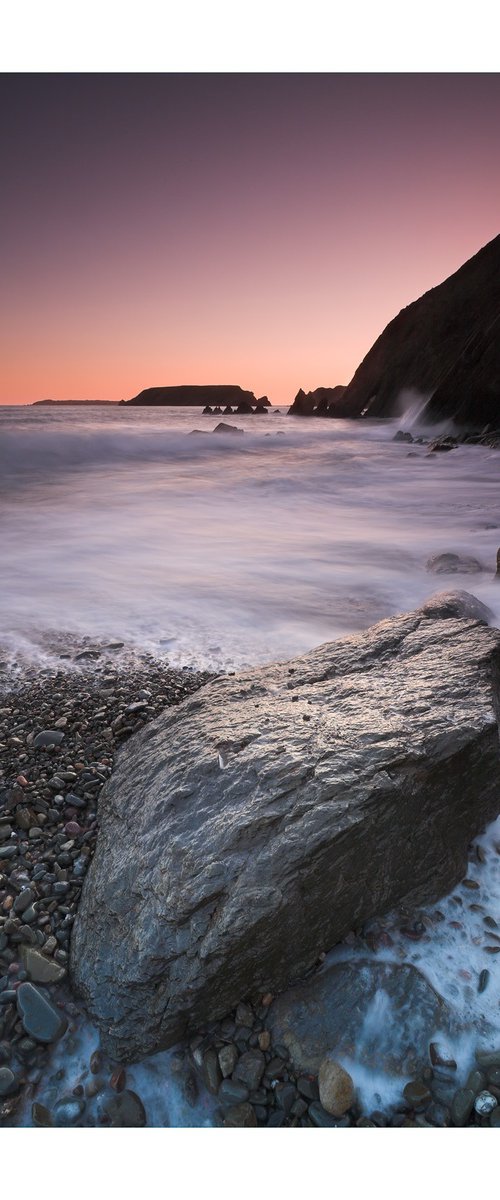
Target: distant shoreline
{"type": "Point", "coordinates": [52, 403]}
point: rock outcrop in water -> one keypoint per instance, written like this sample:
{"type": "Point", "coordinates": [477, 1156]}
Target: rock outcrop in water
{"type": "Point", "coordinates": [383, 1014]}
{"type": "Point", "coordinates": [323, 402]}
{"type": "Point", "coordinates": [211, 394]}
{"type": "Point", "coordinates": [249, 830]}
{"type": "Point", "coordinates": [445, 345]}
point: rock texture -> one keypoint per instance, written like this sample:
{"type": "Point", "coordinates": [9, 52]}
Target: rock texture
{"type": "Point", "coordinates": [211, 394]}
{"type": "Point", "coordinates": [445, 345]}
{"type": "Point", "coordinates": [251, 829]}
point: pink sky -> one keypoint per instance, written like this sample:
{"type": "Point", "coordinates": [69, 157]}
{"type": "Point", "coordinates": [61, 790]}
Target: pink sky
{"type": "Point", "coordinates": [248, 229]}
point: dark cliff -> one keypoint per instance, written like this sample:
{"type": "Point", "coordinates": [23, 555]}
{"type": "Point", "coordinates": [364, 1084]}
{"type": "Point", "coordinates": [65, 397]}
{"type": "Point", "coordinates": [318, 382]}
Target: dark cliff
{"type": "Point", "coordinates": [444, 345]}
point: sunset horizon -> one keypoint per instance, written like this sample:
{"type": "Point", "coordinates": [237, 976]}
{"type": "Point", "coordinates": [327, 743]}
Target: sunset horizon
{"type": "Point", "coordinates": [259, 230]}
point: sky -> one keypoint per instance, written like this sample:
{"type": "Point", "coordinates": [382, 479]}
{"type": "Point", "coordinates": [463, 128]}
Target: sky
{"type": "Point", "coordinates": [249, 229]}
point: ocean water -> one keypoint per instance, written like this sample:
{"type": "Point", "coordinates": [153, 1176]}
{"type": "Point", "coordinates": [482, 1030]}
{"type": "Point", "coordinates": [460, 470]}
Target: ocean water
{"type": "Point", "coordinates": [226, 550]}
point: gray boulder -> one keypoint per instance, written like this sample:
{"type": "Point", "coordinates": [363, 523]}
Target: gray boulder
{"type": "Point", "coordinates": [249, 829]}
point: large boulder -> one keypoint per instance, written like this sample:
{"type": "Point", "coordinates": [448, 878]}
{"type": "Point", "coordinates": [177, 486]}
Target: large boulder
{"type": "Point", "coordinates": [250, 829]}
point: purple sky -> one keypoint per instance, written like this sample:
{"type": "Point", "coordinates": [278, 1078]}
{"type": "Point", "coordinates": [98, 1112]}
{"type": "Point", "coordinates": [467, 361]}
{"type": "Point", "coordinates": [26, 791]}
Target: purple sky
{"type": "Point", "coordinates": [251, 229]}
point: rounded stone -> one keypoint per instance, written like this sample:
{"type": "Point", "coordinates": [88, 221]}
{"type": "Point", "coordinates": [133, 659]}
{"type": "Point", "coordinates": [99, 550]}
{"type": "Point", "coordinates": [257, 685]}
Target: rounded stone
{"type": "Point", "coordinates": [125, 1110]}
{"type": "Point", "coordinates": [48, 737]}
{"type": "Point", "coordinates": [462, 1105]}
{"type": "Point", "coordinates": [336, 1087]}
{"type": "Point", "coordinates": [485, 1103]}
{"type": "Point", "coordinates": [240, 1116]}
{"type": "Point", "coordinates": [40, 1020]}
{"type": "Point", "coordinates": [68, 1111]}
{"type": "Point", "coordinates": [7, 1081]}
{"type": "Point", "coordinates": [417, 1094]}
{"type": "Point", "coordinates": [41, 1116]}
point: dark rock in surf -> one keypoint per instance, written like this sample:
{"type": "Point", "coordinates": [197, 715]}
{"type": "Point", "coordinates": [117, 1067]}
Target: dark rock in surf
{"type": "Point", "coordinates": [330, 1010]}
{"type": "Point", "coordinates": [454, 564]}
{"type": "Point", "coordinates": [237, 841]}
{"type": "Point", "coordinates": [223, 428]}
{"type": "Point", "coordinates": [323, 402]}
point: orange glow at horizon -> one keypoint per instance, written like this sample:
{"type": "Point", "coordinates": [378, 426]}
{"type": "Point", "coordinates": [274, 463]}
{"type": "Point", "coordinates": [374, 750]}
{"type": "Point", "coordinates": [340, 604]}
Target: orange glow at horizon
{"type": "Point", "coordinates": [254, 230]}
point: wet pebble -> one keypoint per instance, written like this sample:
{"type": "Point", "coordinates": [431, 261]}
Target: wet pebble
{"type": "Point", "coordinates": [40, 1019]}
{"type": "Point", "coordinates": [485, 1103]}
{"type": "Point", "coordinates": [67, 1111]}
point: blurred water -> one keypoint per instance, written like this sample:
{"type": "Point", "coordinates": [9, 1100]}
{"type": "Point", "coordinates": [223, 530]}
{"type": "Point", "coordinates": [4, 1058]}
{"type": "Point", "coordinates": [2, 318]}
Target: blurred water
{"type": "Point", "coordinates": [222, 551]}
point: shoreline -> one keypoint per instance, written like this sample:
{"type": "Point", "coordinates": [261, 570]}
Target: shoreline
{"type": "Point", "coordinates": [48, 830]}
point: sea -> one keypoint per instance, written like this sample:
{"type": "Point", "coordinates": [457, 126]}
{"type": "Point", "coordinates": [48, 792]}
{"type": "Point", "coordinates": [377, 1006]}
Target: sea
{"type": "Point", "coordinates": [220, 550]}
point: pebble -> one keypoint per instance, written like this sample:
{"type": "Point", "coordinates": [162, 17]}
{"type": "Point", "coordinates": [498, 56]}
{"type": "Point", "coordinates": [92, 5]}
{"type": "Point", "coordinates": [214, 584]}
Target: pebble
{"type": "Point", "coordinates": [440, 1057]}
{"type": "Point", "coordinates": [48, 737]}
{"type": "Point", "coordinates": [324, 1120]}
{"type": "Point", "coordinates": [40, 1020]}
{"type": "Point", "coordinates": [212, 1074]}
{"type": "Point", "coordinates": [336, 1087]}
{"type": "Point", "coordinates": [7, 1081]}
{"type": "Point", "coordinates": [240, 1116]}
{"type": "Point", "coordinates": [476, 1081]}
{"type": "Point", "coordinates": [41, 1116]}
{"type": "Point", "coordinates": [485, 1103]}
{"type": "Point", "coordinates": [488, 1058]}
{"type": "Point", "coordinates": [286, 1095]}
{"type": "Point", "coordinates": [250, 1068]}
{"type": "Point", "coordinates": [244, 1016]}
{"type": "Point", "coordinates": [483, 980]}
{"type": "Point", "coordinates": [228, 1056]}
{"type": "Point", "coordinates": [23, 900]}
{"type": "Point", "coordinates": [118, 1079]}
{"type": "Point", "coordinates": [308, 1087]}
{"type": "Point", "coordinates": [67, 1111]}
{"type": "Point", "coordinates": [416, 1094]}
{"type": "Point", "coordinates": [461, 1106]}
{"type": "Point", "coordinates": [276, 1119]}
{"type": "Point", "coordinates": [125, 1110]}
{"type": "Point", "coordinates": [231, 1091]}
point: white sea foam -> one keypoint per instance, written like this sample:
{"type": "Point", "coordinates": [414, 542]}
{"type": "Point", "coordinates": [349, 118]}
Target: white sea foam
{"type": "Point", "coordinates": [221, 551]}
{"type": "Point", "coordinates": [451, 955]}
